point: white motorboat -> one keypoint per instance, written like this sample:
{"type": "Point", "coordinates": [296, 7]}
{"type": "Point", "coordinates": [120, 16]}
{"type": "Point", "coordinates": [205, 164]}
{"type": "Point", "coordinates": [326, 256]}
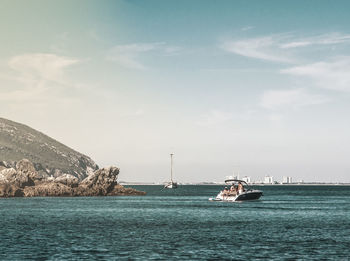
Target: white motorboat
{"type": "Point", "coordinates": [237, 190]}
{"type": "Point", "coordinates": [172, 184]}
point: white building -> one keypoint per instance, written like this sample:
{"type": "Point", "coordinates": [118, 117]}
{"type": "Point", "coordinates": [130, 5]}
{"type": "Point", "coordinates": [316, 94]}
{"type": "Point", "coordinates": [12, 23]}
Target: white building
{"type": "Point", "coordinates": [287, 180]}
{"type": "Point", "coordinates": [235, 175]}
{"type": "Point", "coordinates": [268, 180]}
{"type": "Point", "coordinates": [247, 179]}
{"type": "Point", "coordinates": [232, 177]}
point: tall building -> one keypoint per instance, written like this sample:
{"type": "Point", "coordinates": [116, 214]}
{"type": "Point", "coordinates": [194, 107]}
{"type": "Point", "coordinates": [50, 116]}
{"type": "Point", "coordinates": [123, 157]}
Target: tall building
{"type": "Point", "coordinates": [268, 180]}
{"type": "Point", "coordinates": [247, 179]}
{"type": "Point", "coordinates": [287, 180]}
{"type": "Point", "coordinates": [231, 177]}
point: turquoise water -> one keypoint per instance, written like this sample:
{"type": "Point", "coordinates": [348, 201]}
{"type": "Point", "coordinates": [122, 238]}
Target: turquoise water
{"type": "Point", "coordinates": [288, 223]}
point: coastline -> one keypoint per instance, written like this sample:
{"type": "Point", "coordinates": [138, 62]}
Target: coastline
{"type": "Point", "coordinates": [222, 184]}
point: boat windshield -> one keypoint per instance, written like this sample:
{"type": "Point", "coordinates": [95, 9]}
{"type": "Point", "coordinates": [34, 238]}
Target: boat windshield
{"type": "Point", "coordinates": [235, 182]}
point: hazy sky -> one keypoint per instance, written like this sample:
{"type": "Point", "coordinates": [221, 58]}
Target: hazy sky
{"type": "Point", "coordinates": [262, 87]}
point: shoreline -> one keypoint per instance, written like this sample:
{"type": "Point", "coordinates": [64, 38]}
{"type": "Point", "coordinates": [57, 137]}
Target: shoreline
{"type": "Point", "coordinates": [223, 184]}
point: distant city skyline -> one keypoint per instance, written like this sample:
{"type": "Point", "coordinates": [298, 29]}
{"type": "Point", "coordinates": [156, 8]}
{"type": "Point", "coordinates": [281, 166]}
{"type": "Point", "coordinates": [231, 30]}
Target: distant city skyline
{"type": "Point", "coordinates": [259, 86]}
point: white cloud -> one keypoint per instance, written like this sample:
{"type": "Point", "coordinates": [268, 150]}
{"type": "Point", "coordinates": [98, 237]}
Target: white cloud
{"type": "Point", "coordinates": [172, 50]}
{"type": "Point", "coordinates": [138, 47]}
{"type": "Point", "coordinates": [325, 39]}
{"type": "Point", "coordinates": [281, 47]}
{"type": "Point", "coordinates": [263, 48]}
{"type": "Point", "coordinates": [295, 99]}
{"type": "Point", "coordinates": [332, 75]}
{"type": "Point", "coordinates": [129, 55]}
{"type": "Point", "coordinates": [295, 44]}
{"type": "Point", "coordinates": [38, 75]}
{"type": "Point", "coordinates": [34, 68]}
{"type": "Point", "coordinates": [128, 61]}
{"type": "Point", "coordinates": [247, 28]}
{"type": "Point", "coordinates": [214, 117]}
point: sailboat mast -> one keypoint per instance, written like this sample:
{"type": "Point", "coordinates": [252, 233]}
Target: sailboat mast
{"type": "Point", "coordinates": [171, 167]}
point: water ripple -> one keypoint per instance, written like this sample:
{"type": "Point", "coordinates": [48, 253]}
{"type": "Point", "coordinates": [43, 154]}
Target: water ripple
{"type": "Point", "coordinates": [289, 223]}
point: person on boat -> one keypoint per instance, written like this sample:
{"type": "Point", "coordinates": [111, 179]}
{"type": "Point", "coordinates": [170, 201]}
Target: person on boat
{"type": "Point", "coordinates": [233, 190]}
{"type": "Point", "coordinates": [240, 188]}
{"type": "Point", "coordinates": [225, 192]}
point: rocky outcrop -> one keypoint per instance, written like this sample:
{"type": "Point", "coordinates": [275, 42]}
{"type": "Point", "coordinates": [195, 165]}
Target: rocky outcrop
{"type": "Point", "coordinates": [26, 168]}
{"type": "Point", "coordinates": [68, 180]}
{"type": "Point", "coordinates": [24, 180]}
{"type": "Point", "coordinates": [33, 164]}
{"type": "Point", "coordinates": [18, 178]}
{"type": "Point", "coordinates": [49, 189]}
{"type": "Point", "coordinates": [7, 173]}
{"type": "Point", "coordinates": [101, 182]}
{"type": "Point", "coordinates": [104, 182]}
{"type": "Point", "coordinates": [119, 190]}
{"type": "Point", "coordinates": [3, 179]}
{"type": "Point", "coordinates": [23, 175]}
{"type": "Point", "coordinates": [10, 190]}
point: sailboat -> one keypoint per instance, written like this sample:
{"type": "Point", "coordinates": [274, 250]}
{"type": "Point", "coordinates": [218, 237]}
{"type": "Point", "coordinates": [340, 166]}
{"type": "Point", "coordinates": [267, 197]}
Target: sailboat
{"type": "Point", "coordinates": [171, 184]}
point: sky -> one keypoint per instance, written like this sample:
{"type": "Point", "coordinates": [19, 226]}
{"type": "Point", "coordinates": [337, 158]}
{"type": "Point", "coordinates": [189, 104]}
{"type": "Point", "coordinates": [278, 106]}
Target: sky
{"type": "Point", "coordinates": [255, 87]}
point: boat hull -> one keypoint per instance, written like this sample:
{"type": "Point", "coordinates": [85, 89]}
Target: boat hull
{"type": "Point", "coordinates": [245, 196]}
{"type": "Point", "coordinates": [171, 185]}
{"type": "Point", "coordinates": [254, 195]}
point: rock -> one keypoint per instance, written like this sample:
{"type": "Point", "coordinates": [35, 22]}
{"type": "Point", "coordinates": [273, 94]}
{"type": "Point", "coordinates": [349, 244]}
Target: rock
{"type": "Point", "coordinates": [26, 168]}
{"type": "Point", "coordinates": [26, 181]}
{"type": "Point", "coordinates": [89, 171]}
{"type": "Point", "coordinates": [8, 173]}
{"type": "Point", "coordinates": [3, 179]}
{"type": "Point", "coordinates": [41, 177]}
{"type": "Point", "coordinates": [102, 177]}
{"type": "Point", "coordinates": [21, 180]}
{"type": "Point", "coordinates": [50, 179]}
{"type": "Point", "coordinates": [56, 173]}
{"type": "Point", "coordinates": [4, 164]}
{"type": "Point", "coordinates": [68, 180]}
{"type": "Point", "coordinates": [119, 190]}
{"type": "Point", "coordinates": [49, 189]}
{"type": "Point", "coordinates": [10, 190]}
{"type": "Point", "coordinates": [40, 167]}
{"type": "Point", "coordinates": [17, 178]}
{"type": "Point", "coordinates": [43, 173]}
{"type": "Point", "coordinates": [24, 174]}
{"type": "Point", "coordinates": [101, 182]}
{"type": "Point", "coordinates": [25, 165]}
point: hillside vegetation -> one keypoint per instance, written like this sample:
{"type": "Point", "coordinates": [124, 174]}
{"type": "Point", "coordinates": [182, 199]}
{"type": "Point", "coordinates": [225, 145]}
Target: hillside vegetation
{"type": "Point", "coordinates": [50, 157]}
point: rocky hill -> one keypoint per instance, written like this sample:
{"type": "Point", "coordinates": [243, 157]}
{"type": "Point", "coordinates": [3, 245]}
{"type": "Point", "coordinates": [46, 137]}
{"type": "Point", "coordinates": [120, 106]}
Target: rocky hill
{"type": "Point", "coordinates": [49, 157]}
{"type": "Point", "coordinates": [25, 181]}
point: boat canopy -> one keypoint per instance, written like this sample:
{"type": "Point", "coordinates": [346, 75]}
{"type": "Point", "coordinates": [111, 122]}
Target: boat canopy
{"type": "Point", "coordinates": [235, 181]}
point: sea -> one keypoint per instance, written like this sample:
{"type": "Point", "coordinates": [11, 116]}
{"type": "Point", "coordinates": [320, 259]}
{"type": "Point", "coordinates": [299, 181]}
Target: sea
{"type": "Point", "coordinates": [287, 223]}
